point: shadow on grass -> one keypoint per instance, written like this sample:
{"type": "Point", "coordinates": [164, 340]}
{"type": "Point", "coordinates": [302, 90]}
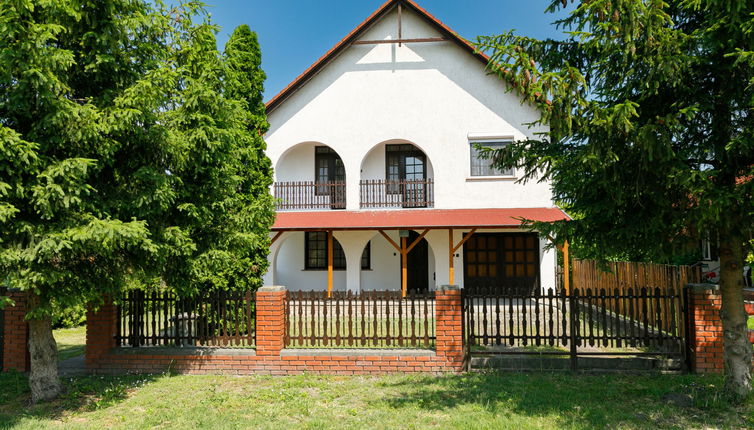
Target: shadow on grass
{"type": "Point", "coordinates": [69, 351]}
{"type": "Point", "coordinates": [580, 401]}
{"type": "Point", "coordinates": [83, 393]}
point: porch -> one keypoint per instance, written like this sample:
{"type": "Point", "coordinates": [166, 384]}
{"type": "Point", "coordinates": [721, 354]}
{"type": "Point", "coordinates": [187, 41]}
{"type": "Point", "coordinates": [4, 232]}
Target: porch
{"type": "Point", "coordinates": [410, 250]}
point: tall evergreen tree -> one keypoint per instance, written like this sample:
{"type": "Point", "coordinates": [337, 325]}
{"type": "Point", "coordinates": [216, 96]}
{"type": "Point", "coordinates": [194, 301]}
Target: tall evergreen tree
{"type": "Point", "coordinates": [120, 160]}
{"type": "Point", "coordinates": [649, 105]}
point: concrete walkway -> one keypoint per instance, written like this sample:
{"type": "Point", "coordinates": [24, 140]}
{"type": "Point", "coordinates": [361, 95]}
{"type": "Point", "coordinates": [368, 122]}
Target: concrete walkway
{"type": "Point", "coordinates": [72, 367]}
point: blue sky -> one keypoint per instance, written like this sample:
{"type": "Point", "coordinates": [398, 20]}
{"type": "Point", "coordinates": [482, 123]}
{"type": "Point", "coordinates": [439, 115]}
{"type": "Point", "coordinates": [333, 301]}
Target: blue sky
{"type": "Point", "coordinates": [295, 33]}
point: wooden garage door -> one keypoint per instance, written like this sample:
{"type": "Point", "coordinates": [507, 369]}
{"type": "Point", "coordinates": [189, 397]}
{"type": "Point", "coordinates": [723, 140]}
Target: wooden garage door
{"type": "Point", "coordinates": [502, 259]}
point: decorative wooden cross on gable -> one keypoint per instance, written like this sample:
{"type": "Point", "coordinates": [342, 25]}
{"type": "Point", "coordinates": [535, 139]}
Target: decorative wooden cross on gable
{"type": "Point", "coordinates": [400, 40]}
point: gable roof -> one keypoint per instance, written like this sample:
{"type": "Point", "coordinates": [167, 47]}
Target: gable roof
{"type": "Point", "coordinates": [387, 7]}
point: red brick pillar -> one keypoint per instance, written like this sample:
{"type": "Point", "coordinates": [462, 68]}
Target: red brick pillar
{"type": "Point", "coordinates": [749, 306]}
{"type": "Point", "coordinates": [16, 334]}
{"type": "Point", "coordinates": [705, 328]}
{"type": "Point", "coordinates": [100, 332]}
{"type": "Point", "coordinates": [449, 326]}
{"type": "Point", "coordinates": [271, 320]}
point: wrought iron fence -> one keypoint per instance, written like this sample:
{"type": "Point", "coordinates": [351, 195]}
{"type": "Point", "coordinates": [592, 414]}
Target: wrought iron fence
{"type": "Point", "coordinates": [309, 195]}
{"type": "Point", "coordinates": [371, 319]}
{"type": "Point", "coordinates": [397, 194]}
{"type": "Point", "coordinates": [215, 319]}
{"type": "Point", "coordinates": [584, 322]}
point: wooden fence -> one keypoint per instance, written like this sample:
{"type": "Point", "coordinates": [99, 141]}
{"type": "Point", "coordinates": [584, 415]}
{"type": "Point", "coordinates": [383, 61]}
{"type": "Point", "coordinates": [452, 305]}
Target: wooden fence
{"type": "Point", "coordinates": [370, 319]}
{"type": "Point", "coordinates": [625, 276]}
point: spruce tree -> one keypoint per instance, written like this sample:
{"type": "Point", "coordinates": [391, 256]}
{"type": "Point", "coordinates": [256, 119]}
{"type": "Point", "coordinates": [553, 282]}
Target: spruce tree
{"type": "Point", "coordinates": [649, 107]}
{"type": "Point", "coordinates": [124, 162]}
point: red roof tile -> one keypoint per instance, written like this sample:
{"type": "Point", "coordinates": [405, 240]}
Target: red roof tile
{"type": "Point", "coordinates": [414, 218]}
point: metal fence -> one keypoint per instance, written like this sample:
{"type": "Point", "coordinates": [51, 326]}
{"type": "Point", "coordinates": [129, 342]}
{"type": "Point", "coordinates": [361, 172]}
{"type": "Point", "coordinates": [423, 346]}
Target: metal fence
{"type": "Point", "coordinates": [582, 322]}
{"type": "Point", "coordinates": [214, 319]}
{"type": "Point", "coordinates": [309, 195]}
{"type": "Point", "coordinates": [370, 319]}
{"type": "Point", "coordinates": [377, 193]}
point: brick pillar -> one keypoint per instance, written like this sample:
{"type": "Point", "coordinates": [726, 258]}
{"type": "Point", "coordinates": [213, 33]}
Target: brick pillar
{"type": "Point", "coordinates": [270, 320]}
{"type": "Point", "coordinates": [705, 336]}
{"type": "Point", "coordinates": [449, 326]}
{"type": "Point", "coordinates": [16, 336]}
{"type": "Point", "coordinates": [100, 332]}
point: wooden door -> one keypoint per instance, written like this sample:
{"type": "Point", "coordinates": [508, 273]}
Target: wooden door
{"type": "Point", "coordinates": [418, 265]}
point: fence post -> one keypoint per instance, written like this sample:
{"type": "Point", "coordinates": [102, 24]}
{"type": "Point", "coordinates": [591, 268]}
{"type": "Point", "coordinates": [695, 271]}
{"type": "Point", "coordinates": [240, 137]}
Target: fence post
{"type": "Point", "coordinates": [449, 325]}
{"type": "Point", "coordinates": [100, 332]}
{"type": "Point", "coordinates": [573, 316]}
{"type": "Point", "coordinates": [15, 354]}
{"type": "Point", "coordinates": [705, 334]}
{"type": "Point", "coordinates": [271, 318]}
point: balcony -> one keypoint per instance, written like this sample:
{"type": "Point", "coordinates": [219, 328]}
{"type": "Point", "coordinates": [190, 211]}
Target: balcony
{"type": "Point", "coordinates": [307, 195]}
{"type": "Point", "coordinates": [380, 193]}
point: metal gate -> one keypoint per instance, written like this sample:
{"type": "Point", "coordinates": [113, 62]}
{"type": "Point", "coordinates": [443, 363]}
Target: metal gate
{"type": "Point", "coordinates": [609, 323]}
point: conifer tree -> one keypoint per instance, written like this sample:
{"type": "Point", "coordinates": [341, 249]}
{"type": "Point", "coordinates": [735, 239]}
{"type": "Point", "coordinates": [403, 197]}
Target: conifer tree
{"type": "Point", "coordinates": [124, 162]}
{"type": "Point", "coordinates": [651, 133]}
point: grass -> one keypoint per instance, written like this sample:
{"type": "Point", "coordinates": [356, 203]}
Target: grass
{"type": "Point", "coordinates": [469, 401]}
{"type": "Point", "coordinates": [71, 342]}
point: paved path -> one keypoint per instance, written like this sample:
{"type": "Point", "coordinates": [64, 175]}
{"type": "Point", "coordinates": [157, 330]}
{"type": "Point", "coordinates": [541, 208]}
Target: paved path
{"type": "Point", "coordinates": [72, 367]}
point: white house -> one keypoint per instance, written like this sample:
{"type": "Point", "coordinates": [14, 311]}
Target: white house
{"type": "Point", "coordinates": [377, 176]}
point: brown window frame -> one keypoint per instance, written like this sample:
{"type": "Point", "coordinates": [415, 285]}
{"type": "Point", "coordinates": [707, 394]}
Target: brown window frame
{"type": "Point", "coordinates": [339, 257]}
{"type": "Point", "coordinates": [336, 171]}
{"type": "Point", "coordinates": [401, 151]}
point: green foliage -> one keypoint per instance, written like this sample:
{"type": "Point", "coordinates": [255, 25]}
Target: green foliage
{"type": "Point", "coordinates": [127, 156]}
{"type": "Point", "coordinates": [648, 105]}
{"type": "Point", "coordinates": [67, 317]}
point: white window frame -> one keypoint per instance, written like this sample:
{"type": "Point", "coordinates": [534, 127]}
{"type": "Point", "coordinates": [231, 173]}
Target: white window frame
{"type": "Point", "coordinates": [488, 141]}
{"type": "Point", "coordinates": [706, 250]}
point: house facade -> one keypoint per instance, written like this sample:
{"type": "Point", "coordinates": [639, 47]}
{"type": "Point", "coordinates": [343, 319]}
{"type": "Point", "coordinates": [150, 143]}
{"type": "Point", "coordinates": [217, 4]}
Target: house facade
{"type": "Point", "coordinates": [377, 177]}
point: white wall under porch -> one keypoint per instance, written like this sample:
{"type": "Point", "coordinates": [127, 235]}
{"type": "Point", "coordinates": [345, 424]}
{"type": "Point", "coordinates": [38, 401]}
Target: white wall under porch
{"type": "Point", "coordinates": [287, 261]}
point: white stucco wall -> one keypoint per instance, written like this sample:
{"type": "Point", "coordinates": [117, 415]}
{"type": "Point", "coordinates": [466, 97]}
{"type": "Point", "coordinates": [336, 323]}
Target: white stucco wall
{"type": "Point", "coordinates": [433, 95]}
{"type": "Point", "coordinates": [384, 274]}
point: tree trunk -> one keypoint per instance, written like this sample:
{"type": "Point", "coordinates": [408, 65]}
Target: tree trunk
{"type": "Point", "coordinates": [737, 348]}
{"type": "Point", "coordinates": [43, 378]}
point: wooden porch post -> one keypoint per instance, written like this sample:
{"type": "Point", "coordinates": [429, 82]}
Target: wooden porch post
{"type": "Point", "coordinates": [566, 268]}
{"type": "Point", "coordinates": [329, 263]}
{"type": "Point", "coordinates": [451, 269]}
{"type": "Point", "coordinates": [404, 266]}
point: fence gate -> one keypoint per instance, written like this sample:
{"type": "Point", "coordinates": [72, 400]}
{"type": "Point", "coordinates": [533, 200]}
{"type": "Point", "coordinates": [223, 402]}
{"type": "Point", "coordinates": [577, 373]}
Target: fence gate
{"type": "Point", "coordinates": [578, 330]}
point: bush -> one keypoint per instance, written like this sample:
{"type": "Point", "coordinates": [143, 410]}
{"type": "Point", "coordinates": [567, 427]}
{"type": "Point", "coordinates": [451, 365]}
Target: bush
{"type": "Point", "coordinates": [67, 317]}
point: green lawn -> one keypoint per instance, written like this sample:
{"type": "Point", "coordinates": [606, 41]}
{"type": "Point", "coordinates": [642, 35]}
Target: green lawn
{"type": "Point", "coordinates": [71, 341]}
{"type": "Point", "coordinates": [470, 401]}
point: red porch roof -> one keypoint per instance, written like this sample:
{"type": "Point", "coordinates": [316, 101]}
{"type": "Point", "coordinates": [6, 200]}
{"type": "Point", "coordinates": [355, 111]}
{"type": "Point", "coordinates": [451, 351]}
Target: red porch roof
{"type": "Point", "coordinates": [414, 218]}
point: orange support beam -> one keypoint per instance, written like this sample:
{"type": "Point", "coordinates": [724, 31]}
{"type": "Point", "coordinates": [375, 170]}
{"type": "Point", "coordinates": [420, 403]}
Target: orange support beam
{"type": "Point", "coordinates": [329, 263]}
{"type": "Point", "coordinates": [452, 250]}
{"type": "Point", "coordinates": [451, 269]}
{"type": "Point", "coordinates": [566, 268]}
{"type": "Point", "coordinates": [404, 268]}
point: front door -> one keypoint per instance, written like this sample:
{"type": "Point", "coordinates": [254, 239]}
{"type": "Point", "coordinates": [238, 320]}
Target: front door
{"type": "Point", "coordinates": [417, 265]}
{"type": "Point", "coordinates": [509, 260]}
